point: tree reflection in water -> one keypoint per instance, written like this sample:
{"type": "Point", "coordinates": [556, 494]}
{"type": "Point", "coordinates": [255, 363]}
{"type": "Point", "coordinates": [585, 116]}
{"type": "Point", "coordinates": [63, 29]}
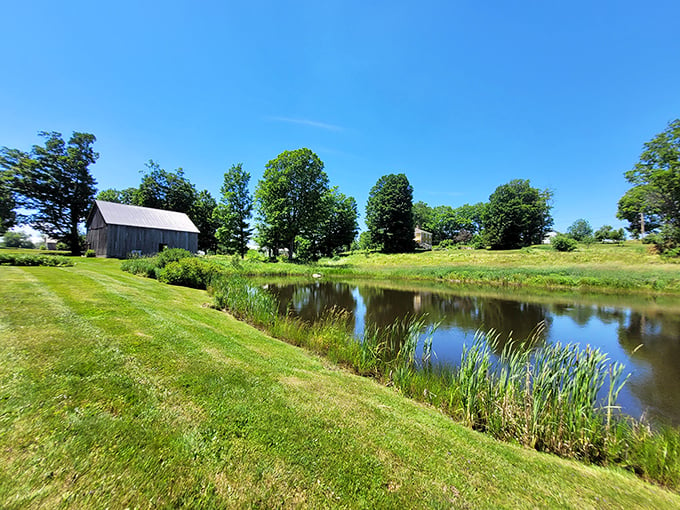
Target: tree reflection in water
{"type": "Point", "coordinates": [617, 330]}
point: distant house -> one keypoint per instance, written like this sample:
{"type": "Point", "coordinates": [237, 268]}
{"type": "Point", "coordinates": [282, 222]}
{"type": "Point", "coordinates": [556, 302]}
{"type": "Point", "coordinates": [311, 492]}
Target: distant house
{"type": "Point", "coordinates": [548, 237]}
{"type": "Point", "coordinates": [117, 230]}
{"type": "Point", "coordinates": [423, 238]}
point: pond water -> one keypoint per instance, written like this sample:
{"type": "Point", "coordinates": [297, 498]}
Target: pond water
{"type": "Point", "coordinates": [641, 333]}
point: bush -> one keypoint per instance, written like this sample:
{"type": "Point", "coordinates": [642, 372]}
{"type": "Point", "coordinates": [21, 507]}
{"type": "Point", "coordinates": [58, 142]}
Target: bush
{"type": "Point", "coordinates": [189, 272]}
{"type": "Point", "coordinates": [13, 259]}
{"type": "Point", "coordinates": [562, 242]}
{"type": "Point", "coordinates": [172, 255]}
{"type": "Point", "coordinates": [90, 253]}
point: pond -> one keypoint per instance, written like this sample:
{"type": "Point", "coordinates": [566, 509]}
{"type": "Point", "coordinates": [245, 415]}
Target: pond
{"type": "Point", "coordinates": [643, 333]}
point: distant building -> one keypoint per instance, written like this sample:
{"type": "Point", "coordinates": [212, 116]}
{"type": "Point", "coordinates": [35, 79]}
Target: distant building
{"type": "Point", "coordinates": [548, 237]}
{"type": "Point", "coordinates": [50, 244]}
{"type": "Point", "coordinates": [118, 230]}
{"type": "Point", "coordinates": [423, 239]}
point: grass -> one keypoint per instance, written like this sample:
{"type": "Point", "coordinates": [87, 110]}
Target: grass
{"type": "Point", "coordinates": [118, 391]}
{"type": "Point", "coordinates": [629, 268]}
{"type": "Point", "coordinates": [544, 397]}
{"type": "Point", "coordinates": [602, 268]}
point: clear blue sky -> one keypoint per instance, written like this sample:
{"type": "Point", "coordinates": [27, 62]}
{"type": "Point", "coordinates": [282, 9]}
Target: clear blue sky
{"type": "Point", "coordinates": [461, 96]}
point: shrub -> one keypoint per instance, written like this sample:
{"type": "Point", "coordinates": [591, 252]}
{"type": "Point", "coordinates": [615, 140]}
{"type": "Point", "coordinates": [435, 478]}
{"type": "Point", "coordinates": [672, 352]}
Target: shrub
{"type": "Point", "coordinates": [13, 259]}
{"type": "Point", "coordinates": [172, 255]}
{"type": "Point", "coordinates": [189, 272]}
{"type": "Point", "coordinates": [563, 242]}
{"type": "Point", "coordinates": [90, 253]}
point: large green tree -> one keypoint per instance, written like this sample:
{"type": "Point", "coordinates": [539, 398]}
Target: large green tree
{"type": "Point", "coordinates": [54, 183]}
{"type": "Point", "coordinates": [389, 214]}
{"type": "Point", "coordinates": [655, 195]}
{"type": "Point", "coordinates": [289, 200]}
{"type": "Point", "coordinates": [161, 189]}
{"type": "Point", "coordinates": [125, 196]}
{"type": "Point", "coordinates": [201, 213]}
{"type": "Point", "coordinates": [8, 205]}
{"type": "Point", "coordinates": [517, 215]}
{"type": "Point", "coordinates": [232, 214]}
{"type": "Point", "coordinates": [339, 228]}
{"type": "Point", "coordinates": [172, 191]}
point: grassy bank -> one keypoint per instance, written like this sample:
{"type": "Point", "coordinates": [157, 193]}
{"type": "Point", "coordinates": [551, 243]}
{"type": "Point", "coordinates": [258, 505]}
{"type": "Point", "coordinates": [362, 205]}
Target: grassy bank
{"type": "Point", "coordinates": [119, 391]}
{"type": "Point", "coordinates": [602, 268]}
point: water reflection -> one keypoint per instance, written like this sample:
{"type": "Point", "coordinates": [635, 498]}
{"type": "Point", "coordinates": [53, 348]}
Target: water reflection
{"type": "Point", "coordinates": [642, 336]}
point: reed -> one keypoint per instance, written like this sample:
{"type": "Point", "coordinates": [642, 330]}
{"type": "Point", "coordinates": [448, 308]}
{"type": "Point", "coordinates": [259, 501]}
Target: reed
{"type": "Point", "coordinates": [557, 398]}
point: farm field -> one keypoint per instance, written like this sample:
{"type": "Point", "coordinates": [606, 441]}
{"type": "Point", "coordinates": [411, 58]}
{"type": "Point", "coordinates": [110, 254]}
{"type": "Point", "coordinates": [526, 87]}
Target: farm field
{"type": "Point", "coordinates": [120, 391]}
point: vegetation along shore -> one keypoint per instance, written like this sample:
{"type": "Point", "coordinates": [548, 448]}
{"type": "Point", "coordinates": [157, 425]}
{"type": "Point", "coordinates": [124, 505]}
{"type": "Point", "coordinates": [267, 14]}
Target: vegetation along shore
{"type": "Point", "coordinates": [120, 391]}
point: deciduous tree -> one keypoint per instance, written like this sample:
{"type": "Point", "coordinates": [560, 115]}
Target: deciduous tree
{"type": "Point", "coordinates": [8, 215]}
{"type": "Point", "coordinates": [656, 187]}
{"type": "Point", "coordinates": [517, 215]}
{"type": "Point", "coordinates": [289, 200]}
{"type": "Point", "coordinates": [389, 214]}
{"type": "Point", "coordinates": [339, 228]}
{"type": "Point", "coordinates": [170, 191]}
{"type": "Point", "coordinates": [580, 230]}
{"type": "Point", "coordinates": [125, 196]}
{"type": "Point", "coordinates": [55, 184]}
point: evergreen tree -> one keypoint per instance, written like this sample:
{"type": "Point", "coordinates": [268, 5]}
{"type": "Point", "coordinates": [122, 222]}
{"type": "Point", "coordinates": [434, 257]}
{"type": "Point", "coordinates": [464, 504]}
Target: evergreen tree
{"type": "Point", "coordinates": [55, 184]}
{"type": "Point", "coordinates": [389, 214]}
{"type": "Point", "coordinates": [233, 212]}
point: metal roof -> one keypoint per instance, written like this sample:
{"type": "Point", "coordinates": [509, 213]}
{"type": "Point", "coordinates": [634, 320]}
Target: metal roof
{"type": "Point", "coordinates": [145, 217]}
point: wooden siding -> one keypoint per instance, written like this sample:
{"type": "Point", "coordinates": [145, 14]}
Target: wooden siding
{"type": "Point", "coordinates": [119, 241]}
{"type": "Point", "coordinates": [122, 240]}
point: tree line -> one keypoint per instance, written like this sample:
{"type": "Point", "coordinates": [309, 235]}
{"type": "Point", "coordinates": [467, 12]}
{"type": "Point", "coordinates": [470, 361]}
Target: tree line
{"type": "Point", "coordinates": [295, 209]}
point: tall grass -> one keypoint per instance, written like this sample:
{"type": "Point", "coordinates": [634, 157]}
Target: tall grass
{"type": "Point", "coordinates": [554, 398]}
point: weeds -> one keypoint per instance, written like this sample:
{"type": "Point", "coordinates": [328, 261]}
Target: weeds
{"type": "Point", "coordinates": [553, 398]}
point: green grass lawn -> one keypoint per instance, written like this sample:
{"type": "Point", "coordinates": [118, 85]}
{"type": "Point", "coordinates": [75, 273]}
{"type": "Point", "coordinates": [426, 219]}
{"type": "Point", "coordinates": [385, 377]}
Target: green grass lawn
{"type": "Point", "coordinates": [119, 391]}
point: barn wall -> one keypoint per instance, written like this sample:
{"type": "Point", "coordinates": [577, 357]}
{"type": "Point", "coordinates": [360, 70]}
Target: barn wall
{"type": "Point", "coordinates": [96, 235]}
{"type": "Point", "coordinates": [123, 240]}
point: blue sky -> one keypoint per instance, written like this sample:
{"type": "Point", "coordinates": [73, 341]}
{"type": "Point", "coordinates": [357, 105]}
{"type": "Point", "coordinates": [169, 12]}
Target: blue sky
{"type": "Point", "coordinates": [461, 96]}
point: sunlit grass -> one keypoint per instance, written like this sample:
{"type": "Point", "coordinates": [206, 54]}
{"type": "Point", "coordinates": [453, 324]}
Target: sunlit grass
{"type": "Point", "coordinates": [545, 398]}
{"type": "Point", "coordinates": [118, 391]}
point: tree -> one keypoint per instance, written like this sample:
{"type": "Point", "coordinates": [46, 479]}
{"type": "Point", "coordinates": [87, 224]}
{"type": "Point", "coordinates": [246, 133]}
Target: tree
{"type": "Point", "coordinates": [642, 216]}
{"type": "Point", "coordinates": [201, 214]}
{"type": "Point", "coordinates": [8, 215]}
{"type": "Point", "coordinates": [172, 191]}
{"type": "Point", "coordinates": [608, 233]}
{"type": "Point", "coordinates": [55, 184]}
{"type": "Point", "coordinates": [580, 230]}
{"type": "Point", "coordinates": [517, 215]}
{"type": "Point", "coordinates": [127, 196]}
{"type": "Point", "coordinates": [339, 228]}
{"type": "Point", "coordinates": [289, 200]}
{"type": "Point", "coordinates": [389, 214]}
{"type": "Point", "coordinates": [17, 240]}
{"type": "Point", "coordinates": [169, 191]}
{"type": "Point", "coordinates": [423, 216]}
{"type": "Point", "coordinates": [233, 213]}
{"type": "Point", "coordinates": [656, 188]}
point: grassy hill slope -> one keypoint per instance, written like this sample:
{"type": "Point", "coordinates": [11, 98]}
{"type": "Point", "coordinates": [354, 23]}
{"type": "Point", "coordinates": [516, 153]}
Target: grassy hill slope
{"type": "Point", "coordinates": [120, 391]}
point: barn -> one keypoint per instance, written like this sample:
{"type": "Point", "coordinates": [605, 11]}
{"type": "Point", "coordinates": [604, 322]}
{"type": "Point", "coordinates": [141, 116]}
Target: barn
{"type": "Point", "coordinates": [118, 230]}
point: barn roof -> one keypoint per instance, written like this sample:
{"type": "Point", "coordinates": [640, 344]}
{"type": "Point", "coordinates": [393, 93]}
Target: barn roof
{"type": "Point", "coordinates": [145, 217]}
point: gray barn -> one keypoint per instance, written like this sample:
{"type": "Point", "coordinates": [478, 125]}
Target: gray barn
{"type": "Point", "coordinates": [117, 230]}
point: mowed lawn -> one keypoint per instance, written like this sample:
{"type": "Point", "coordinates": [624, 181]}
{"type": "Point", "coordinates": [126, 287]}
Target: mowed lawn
{"type": "Point", "coordinates": [118, 391]}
